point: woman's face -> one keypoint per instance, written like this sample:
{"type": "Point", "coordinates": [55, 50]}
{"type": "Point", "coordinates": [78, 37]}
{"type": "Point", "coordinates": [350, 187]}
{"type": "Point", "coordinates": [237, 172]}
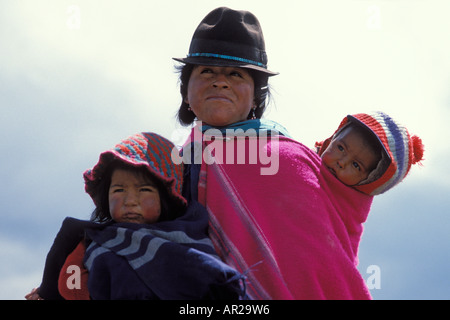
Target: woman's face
{"type": "Point", "coordinates": [220, 96]}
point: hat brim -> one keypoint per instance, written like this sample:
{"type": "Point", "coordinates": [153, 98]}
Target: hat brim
{"type": "Point", "coordinates": [363, 125]}
{"type": "Point", "coordinates": [92, 177]}
{"type": "Point", "coordinates": [224, 63]}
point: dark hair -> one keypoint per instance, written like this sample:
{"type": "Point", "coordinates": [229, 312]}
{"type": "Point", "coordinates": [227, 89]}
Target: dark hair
{"type": "Point", "coordinates": [262, 93]}
{"type": "Point", "coordinates": [169, 210]}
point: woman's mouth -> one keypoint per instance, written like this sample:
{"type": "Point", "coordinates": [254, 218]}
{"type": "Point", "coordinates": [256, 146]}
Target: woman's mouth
{"type": "Point", "coordinates": [219, 98]}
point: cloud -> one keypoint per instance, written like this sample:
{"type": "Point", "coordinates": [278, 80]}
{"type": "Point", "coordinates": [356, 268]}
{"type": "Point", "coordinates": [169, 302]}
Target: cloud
{"type": "Point", "coordinates": [69, 94]}
{"type": "Point", "coordinates": [406, 235]}
{"type": "Point", "coordinates": [20, 267]}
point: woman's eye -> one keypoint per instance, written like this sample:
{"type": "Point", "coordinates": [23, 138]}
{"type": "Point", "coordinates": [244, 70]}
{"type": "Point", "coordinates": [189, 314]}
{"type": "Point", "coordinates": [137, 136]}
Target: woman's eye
{"type": "Point", "coordinates": [206, 70]}
{"type": "Point", "coordinates": [340, 148]}
{"type": "Point", "coordinates": [117, 190]}
{"type": "Point", "coordinates": [236, 74]}
{"type": "Point", "coordinates": [147, 189]}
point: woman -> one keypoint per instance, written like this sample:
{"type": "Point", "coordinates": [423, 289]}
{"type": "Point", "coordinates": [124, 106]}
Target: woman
{"type": "Point", "coordinates": [278, 226]}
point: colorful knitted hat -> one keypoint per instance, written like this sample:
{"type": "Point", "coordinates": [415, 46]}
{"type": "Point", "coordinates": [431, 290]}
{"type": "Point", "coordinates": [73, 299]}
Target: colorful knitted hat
{"type": "Point", "coordinates": [143, 149]}
{"type": "Point", "coordinates": [400, 150]}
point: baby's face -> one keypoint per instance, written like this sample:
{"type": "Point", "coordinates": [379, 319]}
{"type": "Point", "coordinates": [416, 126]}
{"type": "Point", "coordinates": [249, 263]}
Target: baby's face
{"type": "Point", "coordinates": [133, 198]}
{"type": "Point", "coordinates": [349, 158]}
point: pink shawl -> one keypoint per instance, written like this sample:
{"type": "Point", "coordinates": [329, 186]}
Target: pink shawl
{"type": "Point", "coordinates": [296, 233]}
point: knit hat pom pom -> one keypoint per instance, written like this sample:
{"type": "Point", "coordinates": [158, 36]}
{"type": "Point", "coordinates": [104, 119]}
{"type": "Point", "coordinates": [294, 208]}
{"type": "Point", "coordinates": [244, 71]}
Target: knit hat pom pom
{"type": "Point", "coordinates": [418, 149]}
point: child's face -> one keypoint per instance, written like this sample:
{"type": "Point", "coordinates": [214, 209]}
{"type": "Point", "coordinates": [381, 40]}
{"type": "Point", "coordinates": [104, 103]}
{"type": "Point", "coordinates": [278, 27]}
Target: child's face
{"type": "Point", "coordinates": [349, 158]}
{"type": "Point", "coordinates": [133, 198]}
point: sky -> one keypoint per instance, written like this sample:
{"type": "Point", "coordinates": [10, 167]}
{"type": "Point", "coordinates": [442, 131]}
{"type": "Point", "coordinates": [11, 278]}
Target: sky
{"type": "Point", "coordinates": [78, 76]}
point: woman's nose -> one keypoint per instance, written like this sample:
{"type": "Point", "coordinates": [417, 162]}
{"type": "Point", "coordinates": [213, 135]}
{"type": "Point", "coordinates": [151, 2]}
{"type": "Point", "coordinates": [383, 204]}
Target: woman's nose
{"type": "Point", "coordinates": [220, 80]}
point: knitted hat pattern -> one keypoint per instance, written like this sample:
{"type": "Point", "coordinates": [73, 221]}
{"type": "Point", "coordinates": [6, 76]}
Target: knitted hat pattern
{"type": "Point", "coordinates": [402, 149]}
{"type": "Point", "coordinates": [143, 149]}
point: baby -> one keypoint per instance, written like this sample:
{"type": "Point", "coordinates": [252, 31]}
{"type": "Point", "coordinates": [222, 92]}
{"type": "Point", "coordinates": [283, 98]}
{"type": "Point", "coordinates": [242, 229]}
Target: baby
{"type": "Point", "coordinates": [144, 240]}
{"type": "Point", "coordinates": [370, 152]}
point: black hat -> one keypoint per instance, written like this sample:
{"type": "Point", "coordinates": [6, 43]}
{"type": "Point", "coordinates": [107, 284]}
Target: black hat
{"type": "Point", "coordinates": [227, 37]}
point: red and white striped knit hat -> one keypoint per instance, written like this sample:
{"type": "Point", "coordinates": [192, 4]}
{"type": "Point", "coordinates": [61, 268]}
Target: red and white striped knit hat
{"type": "Point", "coordinates": [401, 150]}
{"type": "Point", "coordinates": [145, 149]}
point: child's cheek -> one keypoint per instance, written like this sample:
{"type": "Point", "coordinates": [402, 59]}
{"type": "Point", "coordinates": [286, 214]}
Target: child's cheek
{"type": "Point", "coordinates": [326, 158]}
{"type": "Point", "coordinates": [152, 208]}
{"type": "Point", "coordinates": [113, 206]}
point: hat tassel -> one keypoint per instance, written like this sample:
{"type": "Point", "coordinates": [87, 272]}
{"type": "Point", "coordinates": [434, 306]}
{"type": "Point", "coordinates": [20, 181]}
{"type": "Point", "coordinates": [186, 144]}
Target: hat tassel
{"type": "Point", "coordinates": [418, 150]}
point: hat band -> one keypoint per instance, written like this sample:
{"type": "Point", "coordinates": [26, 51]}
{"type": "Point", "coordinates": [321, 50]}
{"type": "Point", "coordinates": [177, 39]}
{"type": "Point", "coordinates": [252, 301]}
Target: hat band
{"type": "Point", "coordinates": [221, 56]}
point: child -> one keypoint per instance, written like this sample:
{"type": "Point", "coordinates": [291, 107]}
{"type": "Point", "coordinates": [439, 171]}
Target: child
{"type": "Point", "coordinates": [370, 152]}
{"type": "Point", "coordinates": [143, 241]}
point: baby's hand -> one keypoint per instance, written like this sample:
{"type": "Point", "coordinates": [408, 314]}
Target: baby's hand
{"type": "Point", "coordinates": [33, 295]}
